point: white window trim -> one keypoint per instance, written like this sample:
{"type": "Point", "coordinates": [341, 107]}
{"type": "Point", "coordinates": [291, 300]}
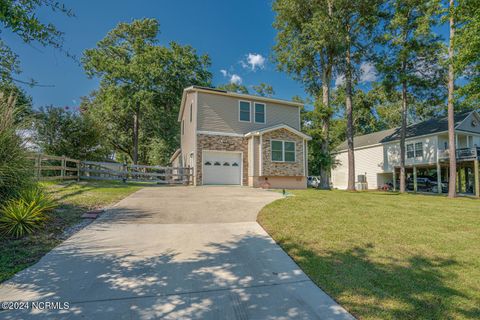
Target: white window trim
{"type": "Point", "coordinates": [415, 150]}
{"type": "Point", "coordinates": [264, 112]}
{"type": "Point", "coordinates": [283, 151]}
{"type": "Point", "coordinates": [250, 108]}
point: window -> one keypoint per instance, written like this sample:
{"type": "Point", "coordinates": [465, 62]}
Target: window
{"type": "Point", "coordinates": [259, 112]}
{"type": "Point", "coordinates": [226, 164]}
{"type": "Point", "coordinates": [244, 111]}
{"type": "Point", "coordinates": [217, 163]}
{"type": "Point", "coordinates": [283, 151]}
{"type": "Point", "coordinates": [191, 111]}
{"type": "Point", "coordinates": [415, 150]}
{"type": "Point", "coordinates": [277, 150]}
{"type": "Point", "coordinates": [289, 151]}
{"type": "Point", "coordinates": [208, 163]}
{"type": "Point", "coordinates": [410, 152]}
{"type": "Point", "coordinates": [183, 127]}
{"type": "Point", "coordinates": [418, 150]}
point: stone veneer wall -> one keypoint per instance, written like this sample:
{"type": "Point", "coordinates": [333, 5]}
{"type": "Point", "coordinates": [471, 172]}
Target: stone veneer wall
{"type": "Point", "coordinates": [282, 168]}
{"type": "Point", "coordinates": [221, 143]}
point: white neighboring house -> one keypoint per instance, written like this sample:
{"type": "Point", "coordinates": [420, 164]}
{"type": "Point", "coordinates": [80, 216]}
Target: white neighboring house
{"type": "Point", "coordinates": [377, 156]}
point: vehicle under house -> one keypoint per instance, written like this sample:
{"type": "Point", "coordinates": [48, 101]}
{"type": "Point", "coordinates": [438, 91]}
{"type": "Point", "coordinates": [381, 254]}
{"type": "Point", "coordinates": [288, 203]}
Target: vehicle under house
{"type": "Point", "coordinates": [377, 157]}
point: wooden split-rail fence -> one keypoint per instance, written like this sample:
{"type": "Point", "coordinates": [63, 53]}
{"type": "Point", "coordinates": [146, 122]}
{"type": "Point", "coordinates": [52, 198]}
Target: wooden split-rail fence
{"type": "Point", "coordinates": [63, 168]}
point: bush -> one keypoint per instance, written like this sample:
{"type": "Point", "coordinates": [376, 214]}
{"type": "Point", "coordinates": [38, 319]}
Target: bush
{"type": "Point", "coordinates": [36, 195]}
{"type": "Point", "coordinates": [15, 169]}
{"type": "Point", "coordinates": [22, 216]}
{"type": "Point", "coordinates": [19, 218]}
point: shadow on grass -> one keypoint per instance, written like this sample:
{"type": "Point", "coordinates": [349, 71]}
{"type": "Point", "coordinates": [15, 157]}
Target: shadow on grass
{"type": "Point", "coordinates": [392, 289]}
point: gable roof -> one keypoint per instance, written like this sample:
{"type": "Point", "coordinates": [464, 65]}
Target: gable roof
{"type": "Point", "coordinates": [231, 94]}
{"type": "Point", "coordinates": [276, 127]}
{"type": "Point", "coordinates": [431, 126]}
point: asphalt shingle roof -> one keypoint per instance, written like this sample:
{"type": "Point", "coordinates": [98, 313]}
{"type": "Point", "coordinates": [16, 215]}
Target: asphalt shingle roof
{"type": "Point", "coordinates": [431, 126]}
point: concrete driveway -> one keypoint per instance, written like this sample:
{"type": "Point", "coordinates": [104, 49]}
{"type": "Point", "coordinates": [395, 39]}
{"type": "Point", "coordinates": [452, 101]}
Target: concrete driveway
{"type": "Point", "coordinates": [173, 253]}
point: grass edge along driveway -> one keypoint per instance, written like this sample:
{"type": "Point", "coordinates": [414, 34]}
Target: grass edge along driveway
{"type": "Point", "coordinates": [74, 198]}
{"type": "Point", "coordinates": [384, 255]}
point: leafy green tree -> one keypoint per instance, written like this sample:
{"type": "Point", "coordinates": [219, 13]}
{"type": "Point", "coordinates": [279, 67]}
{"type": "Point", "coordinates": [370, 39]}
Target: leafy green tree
{"type": "Point", "coordinates": [411, 59]}
{"type": "Point", "coordinates": [233, 87]}
{"type": "Point", "coordinates": [62, 132]}
{"type": "Point", "coordinates": [20, 17]}
{"type": "Point", "coordinates": [141, 85]}
{"type": "Point", "coordinates": [463, 60]}
{"type": "Point", "coordinates": [307, 47]}
{"type": "Point", "coordinates": [264, 90]}
{"type": "Point", "coordinates": [357, 19]}
{"type": "Point", "coordinates": [466, 48]}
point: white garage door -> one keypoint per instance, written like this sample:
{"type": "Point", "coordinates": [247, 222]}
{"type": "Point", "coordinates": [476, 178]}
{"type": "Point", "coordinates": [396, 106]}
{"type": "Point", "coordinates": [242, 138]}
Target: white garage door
{"type": "Point", "coordinates": [222, 167]}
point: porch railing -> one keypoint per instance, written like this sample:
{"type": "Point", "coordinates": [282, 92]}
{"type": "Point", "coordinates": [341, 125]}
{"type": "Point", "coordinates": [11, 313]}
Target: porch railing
{"type": "Point", "coordinates": [461, 153]}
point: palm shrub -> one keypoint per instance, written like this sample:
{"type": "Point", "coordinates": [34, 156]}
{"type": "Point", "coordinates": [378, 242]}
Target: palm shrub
{"type": "Point", "coordinates": [19, 218]}
{"type": "Point", "coordinates": [15, 168]}
{"type": "Point", "coordinates": [37, 196]}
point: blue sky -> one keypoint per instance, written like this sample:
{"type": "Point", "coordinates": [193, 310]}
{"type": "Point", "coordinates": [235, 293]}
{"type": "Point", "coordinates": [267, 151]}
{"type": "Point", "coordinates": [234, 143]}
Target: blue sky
{"type": "Point", "coordinates": [228, 31]}
{"type": "Point", "coordinates": [237, 35]}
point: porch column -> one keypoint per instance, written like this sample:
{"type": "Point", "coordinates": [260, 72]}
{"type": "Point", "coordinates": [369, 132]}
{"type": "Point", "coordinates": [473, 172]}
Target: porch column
{"type": "Point", "coordinates": [394, 180]}
{"type": "Point", "coordinates": [414, 179]}
{"type": "Point", "coordinates": [476, 184]}
{"type": "Point", "coordinates": [439, 178]}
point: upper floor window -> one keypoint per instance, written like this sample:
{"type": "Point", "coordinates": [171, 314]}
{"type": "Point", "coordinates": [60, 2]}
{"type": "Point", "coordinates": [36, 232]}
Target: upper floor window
{"type": "Point", "coordinates": [418, 150]}
{"type": "Point", "coordinates": [283, 151]}
{"type": "Point", "coordinates": [191, 111]}
{"type": "Point", "coordinates": [415, 150]}
{"type": "Point", "coordinates": [259, 112]}
{"type": "Point", "coordinates": [183, 127]}
{"type": "Point", "coordinates": [244, 111]}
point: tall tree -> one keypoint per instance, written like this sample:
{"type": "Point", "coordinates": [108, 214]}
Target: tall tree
{"type": "Point", "coordinates": [451, 112]}
{"type": "Point", "coordinates": [142, 84]}
{"type": "Point", "coordinates": [411, 59]}
{"type": "Point", "coordinates": [70, 133]}
{"type": "Point", "coordinates": [264, 90]}
{"type": "Point", "coordinates": [466, 49]}
{"type": "Point", "coordinates": [358, 19]}
{"type": "Point", "coordinates": [307, 47]}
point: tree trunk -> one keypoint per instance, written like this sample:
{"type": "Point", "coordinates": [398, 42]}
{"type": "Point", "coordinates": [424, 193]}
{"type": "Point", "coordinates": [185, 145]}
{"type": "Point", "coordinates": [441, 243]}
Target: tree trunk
{"type": "Point", "coordinates": [325, 147]}
{"type": "Point", "coordinates": [136, 115]}
{"type": "Point", "coordinates": [403, 132]}
{"type": "Point", "coordinates": [451, 122]}
{"type": "Point", "coordinates": [348, 105]}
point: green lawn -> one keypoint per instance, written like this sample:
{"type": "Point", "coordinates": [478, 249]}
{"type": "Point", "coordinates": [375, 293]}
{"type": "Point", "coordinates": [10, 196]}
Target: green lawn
{"type": "Point", "coordinates": [75, 198]}
{"type": "Point", "coordinates": [385, 255]}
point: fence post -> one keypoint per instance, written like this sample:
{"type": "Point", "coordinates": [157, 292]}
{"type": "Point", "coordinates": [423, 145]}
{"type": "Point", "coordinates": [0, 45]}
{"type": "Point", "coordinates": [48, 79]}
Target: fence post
{"type": "Point", "coordinates": [78, 170]}
{"type": "Point", "coordinates": [125, 172]}
{"type": "Point", "coordinates": [39, 166]}
{"type": "Point", "coordinates": [64, 164]}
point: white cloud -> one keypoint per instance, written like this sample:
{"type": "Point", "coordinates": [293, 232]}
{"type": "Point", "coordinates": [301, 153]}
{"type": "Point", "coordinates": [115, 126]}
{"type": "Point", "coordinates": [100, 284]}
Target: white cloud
{"type": "Point", "coordinates": [224, 72]}
{"type": "Point", "coordinates": [340, 80]}
{"type": "Point", "coordinates": [235, 78]}
{"type": "Point", "coordinates": [254, 61]}
{"type": "Point", "coordinates": [369, 73]}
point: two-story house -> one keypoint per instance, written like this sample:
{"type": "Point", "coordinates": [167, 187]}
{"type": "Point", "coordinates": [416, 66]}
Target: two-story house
{"type": "Point", "coordinates": [377, 156]}
{"type": "Point", "coordinates": [237, 139]}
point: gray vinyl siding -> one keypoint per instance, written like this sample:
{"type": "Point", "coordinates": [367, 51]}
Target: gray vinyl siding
{"type": "Point", "coordinates": [221, 114]}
